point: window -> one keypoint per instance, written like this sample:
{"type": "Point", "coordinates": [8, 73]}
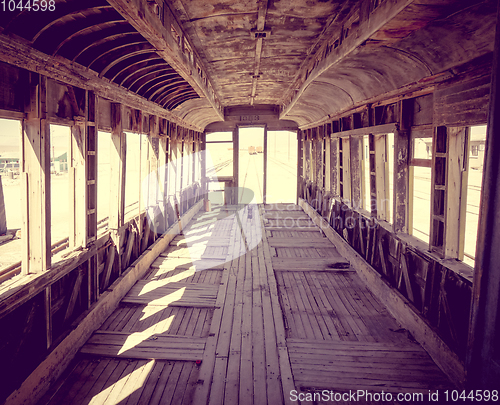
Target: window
{"type": "Point", "coordinates": [282, 167]}
{"type": "Point", "coordinates": [103, 178]}
{"type": "Point", "coordinates": [60, 192]}
{"type": "Point", "coordinates": [420, 187]}
{"type": "Point", "coordinates": [132, 172]}
{"type": "Point", "coordinates": [477, 140]}
{"type": "Point", "coordinates": [10, 192]}
{"type": "Point", "coordinates": [218, 163]}
{"type": "Point", "coordinates": [146, 187]}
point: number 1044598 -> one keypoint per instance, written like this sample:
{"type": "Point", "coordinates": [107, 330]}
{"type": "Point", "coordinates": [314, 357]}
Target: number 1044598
{"type": "Point", "coordinates": [28, 5]}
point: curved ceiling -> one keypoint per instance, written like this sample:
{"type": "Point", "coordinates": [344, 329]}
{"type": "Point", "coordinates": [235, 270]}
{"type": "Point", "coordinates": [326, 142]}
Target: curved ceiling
{"type": "Point", "coordinates": [316, 59]}
{"type": "Point", "coordinates": [380, 66]}
{"type": "Point", "coordinates": [93, 34]}
{"type": "Point", "coordinates": [310, 59]}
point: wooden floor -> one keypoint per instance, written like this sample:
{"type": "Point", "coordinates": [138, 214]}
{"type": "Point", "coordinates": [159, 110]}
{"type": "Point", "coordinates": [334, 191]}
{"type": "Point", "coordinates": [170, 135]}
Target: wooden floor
{"type": "Point", "coordinates": [242, 309]}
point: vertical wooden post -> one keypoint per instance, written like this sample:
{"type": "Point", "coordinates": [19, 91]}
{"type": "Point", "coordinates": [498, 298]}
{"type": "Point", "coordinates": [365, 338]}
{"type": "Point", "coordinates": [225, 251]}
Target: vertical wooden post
{"type": "Point", "coordinates": [88, 223]}
{"type": "Point", "coordinates": [236, 175]}
{"type": "Point", "coordinates": [264, 187]}
{"type": "Point", "coordinates": [328, 168]}
{"type": "Point", "coordinates": [163, 181]}
{"type": "Point", "coordinates": [356, 157]}
{"type": "Point", "coordinates": [92, 169]}
{"type": "Point", "coordinates": [300, 164]}
{"type": "Point", "coordinates": [48, 315]}
{"type": "Point", "coordinates": [334, 166]}
{"type": "Point", "coordinates": [78, 183]}
{"type": "Point", "coordinates": [203, 156]}
{"type": "Point", "coordinates": [117, 160]}
{"type": "Point", "coordinates": [456, 193]}
{"type": "Point", "coordinates": [401, 183]}
{"type": "Point", "coordinates": [381, 177]}
{"type": "Point", "coordinates": [35, 166]}
{"type": "Point", "coordinates": [483, 351]}
{"type": "Point", "coordinates": [346, 168]}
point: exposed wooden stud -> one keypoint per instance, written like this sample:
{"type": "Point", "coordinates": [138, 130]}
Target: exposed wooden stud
{"type": "Point", "coordinates": [346, 169]}
{"type": "Point", "coordinates": [401, 210]}
{"type": "Point", "coordinates": [48, 315]}
{"type": "Point", "coordinates": [108, 268]}
{"type": "Point", "coordinates": [35, 165]}
{"type": "Point", "coordinates": [382, 177]}
{"type": "Point", "coordinates": [406, 275]}
{"type": "Point", "coordinates": [236, 159]}
{"type": "Point", "coordinates": [265, 165]}
{"type": "Point", "coordinates": [74, 294]}
{"type": "Point", "coordinates": [78, 161]}
{"type": "Point", "coordinates": [117, 178]}
{"type": "Point", "coordinates": [456, 192]}
{"type": "Point", "coordinates": [91, 165]}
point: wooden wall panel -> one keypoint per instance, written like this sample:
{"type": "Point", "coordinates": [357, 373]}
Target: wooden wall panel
{"type": "Point", "coordinates": [356, 148]}
{"type": "Point", "coordinates": [104, 111]}
{"type": "Point", "coordinates": [12, 87]}
{"type": "Point", "coordinates": [462, 103]}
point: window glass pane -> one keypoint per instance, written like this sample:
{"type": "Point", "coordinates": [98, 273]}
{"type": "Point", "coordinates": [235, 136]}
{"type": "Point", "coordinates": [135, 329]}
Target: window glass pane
{"type": "Point", "coordinates": [132, 173]}
{"type": "Point", "coordinates": [422, 148]}
{"type": "Point", "coordinates": [220, 136]}
{"type": "Point", "coordinates": [421, 202]}
{"type": "Point", "coordinates": [281, 167]}
{"type": "Point", "coordinates": [251, 165]}
{"type": "Point", "coordinates": [11, 206]}
{"type": "Point", "coordinates": [220, 155]}
{"type": "Point", "coordinates": [477, 141]}
{"type": "Point", "coordinates": [186, 165]}
{"type": "Point", "coordinates": [145, 169]}
{"type": "Point", "coordinates": [103, 178]}
{"type": "Point", "coordinates": [59, 182]}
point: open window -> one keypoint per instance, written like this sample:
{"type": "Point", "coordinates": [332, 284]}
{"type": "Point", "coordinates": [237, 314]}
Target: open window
{"type": "Point", "coordinates": [420, 185]}
{"type": "Point", "coordinates": [282, 167]}
{"type": "Point", "coordinates": [219, 169]}
{"type": "Point", "coordinates": [11, 217]}
{"type": "Point", "coordinates": [475, 165]}
{"type": "Point", "coordinates": [132, 173]}
{"type": "Point", "coordinates": [61, 185]}
{"type": "Point", "coordinates": [103, 179]}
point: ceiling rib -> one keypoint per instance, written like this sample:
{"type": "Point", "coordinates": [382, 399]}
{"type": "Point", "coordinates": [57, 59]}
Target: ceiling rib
{"type": "Point", "coordinates": [151, 27]}
{"type": "Point", "coordinates": [261, 24]}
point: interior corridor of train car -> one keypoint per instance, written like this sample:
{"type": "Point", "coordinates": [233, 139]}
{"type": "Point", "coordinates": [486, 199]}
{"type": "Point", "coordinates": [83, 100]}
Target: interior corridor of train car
{"type": "Point", "coordinates": [261, 202]}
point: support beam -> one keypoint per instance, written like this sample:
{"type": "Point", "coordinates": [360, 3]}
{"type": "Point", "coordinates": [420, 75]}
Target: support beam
{"type": "Point", "coordinates": [456, 193]}
{"type": "Point", "coordinates": [236, 157]}
{"type": "Point", "coordinates": [401, 208]}
{"type": "Point", "coordinates": [117, 177]}
{"type": "Point", "coordinates": [78, 184]}
{"type": "Point", "coordinates": [35, 167]}
{"type": "Point", "coordinates": [264, 187]}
